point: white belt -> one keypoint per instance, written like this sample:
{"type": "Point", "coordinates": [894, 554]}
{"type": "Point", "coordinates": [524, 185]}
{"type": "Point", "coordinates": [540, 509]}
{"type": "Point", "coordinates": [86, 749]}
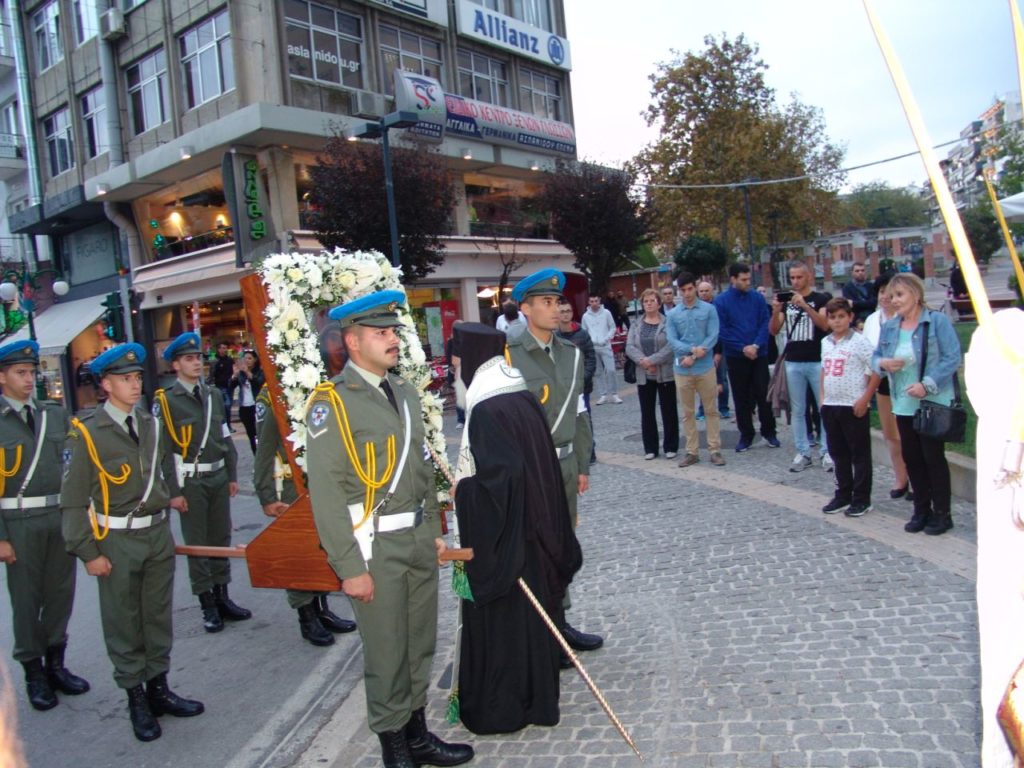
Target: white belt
{"type": "Point", "coordinates": [195, 469]}
{"type": "Point", "coordinates": [563, 450]}
{"type": "Point", "coordinates": [399, 521]}
{"type": "Point", "coordinates": [131, 522]}
{"type": "Point", "coordinates": [30, 502]}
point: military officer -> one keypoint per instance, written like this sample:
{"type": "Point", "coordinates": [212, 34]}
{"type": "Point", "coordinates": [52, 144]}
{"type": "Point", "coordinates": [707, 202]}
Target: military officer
{"type": "Point", "coordinates": [553, 369]}
{"type": "Point", "coordinates": [40, 573]}
{"type": "Point", "coordinates": [272, 479]}
{"type": "Point", "coordinates": [115, 521]}
{"type": "Point", "coordinates": [376, 511]}
{"type": "Point", "coordinates": [199, 466]}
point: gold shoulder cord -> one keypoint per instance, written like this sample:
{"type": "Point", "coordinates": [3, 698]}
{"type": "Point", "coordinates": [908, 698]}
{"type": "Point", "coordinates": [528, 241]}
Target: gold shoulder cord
{"type": "Point", "coordinates": [186, 429]}
{"type": "Point", "coordinates": [544, 393]}
{"type": "Point", "coordinates": [104, 478]}
{"type": "Point", "coordinates": [365, 474]}
{"type": "Point", "coordinates": [4, 471]}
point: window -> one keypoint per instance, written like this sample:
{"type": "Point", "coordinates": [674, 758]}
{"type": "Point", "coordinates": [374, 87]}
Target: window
{"type": "Point", "coordinates": [94, 115]}
{"type": "Point", "coordinates": [540, 95]}
{"type": "Point", "coordinates": [60, 146]}
{"type": "Point", "coordinates": [324, 44]}
{"type": "Point", "coordinates": [409, 52]}
{"type": "Point", "coordinates": [86, 20]}
{"type": "Point", "coordinates": [206, 60]}
{"type": "Point", "coordinates": [10, 131]}
{"type": "Point", "coordinates": [483, 78]}
{"type": "Point", "coordinates": [46, 33]}
{"type": "Point", "coordinates": [147, 92]}
{"type": "Point", "coordinates": [127, 5]}
{"type": "Point", "coordinates": [536, 13]}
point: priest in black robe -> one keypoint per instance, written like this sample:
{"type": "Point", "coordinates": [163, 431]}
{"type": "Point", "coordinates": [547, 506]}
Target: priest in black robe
{"type": "Point", "coordinates": [511, 508]}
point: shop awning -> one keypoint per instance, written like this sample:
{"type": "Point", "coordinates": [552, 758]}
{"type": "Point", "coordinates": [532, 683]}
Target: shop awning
{"type": "Point", "coordinates": [60, 323]}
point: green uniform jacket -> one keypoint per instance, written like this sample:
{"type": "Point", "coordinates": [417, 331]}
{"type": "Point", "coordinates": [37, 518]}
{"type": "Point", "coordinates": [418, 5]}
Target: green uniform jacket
{"type": "Point", "coordinates": [81, 483]}
{"type": "Point", "coordinates": [14, 431]}
{"type": "Point", "coordinates": [269, 446]}
{"type": "Point", "coordinates": [186, 410]}
{"type": "Point", "coordinates": [333, 484]}
{"type": "Point", "coordinates": [538, 370]}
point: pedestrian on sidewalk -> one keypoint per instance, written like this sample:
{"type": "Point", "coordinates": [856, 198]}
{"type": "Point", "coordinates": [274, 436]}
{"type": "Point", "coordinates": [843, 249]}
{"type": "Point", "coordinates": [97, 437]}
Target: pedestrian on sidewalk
{"type": "Point", "coordinates": [847, 386]}
{"type": "Point", "coordinates": [573, 332]}
{"type": "Point", "coordinates": [693, 333]}
{"type": "Point", "coordinates": [599, 324]}
{"type": "Point", "coordinates": [743, 328]}
{"type": "Point", "coordinates": [223, 370]}
{"type": "Point", "coordinates": [647, 345]}
{"type": "Point", "coordinates": [920, 352]}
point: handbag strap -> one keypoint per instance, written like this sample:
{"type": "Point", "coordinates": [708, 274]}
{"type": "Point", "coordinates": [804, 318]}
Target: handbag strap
{"type": "Point", "coordinates": [924, 360]}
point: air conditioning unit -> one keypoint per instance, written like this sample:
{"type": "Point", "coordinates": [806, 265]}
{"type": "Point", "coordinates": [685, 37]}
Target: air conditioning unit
{"type": "Point", "coordinates": [364, 104]}
{"type": "Point", "coordinates": [112, 26]}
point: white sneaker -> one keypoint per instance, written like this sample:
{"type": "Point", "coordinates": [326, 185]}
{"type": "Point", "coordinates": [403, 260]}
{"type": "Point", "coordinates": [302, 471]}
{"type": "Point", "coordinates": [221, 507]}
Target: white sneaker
{"type": "Point", "coordinates": [601, 400]}
{"type": "Point", "coordinates": [800, 463]}
{"type": "Point", "coordinates": [670, 455]}
{"type": "Point", "coordinates": [616, 399]}
{"type": "Point", "coordinates": [827, 464]}
{"type": "Point", "coordinates": [649, 456]}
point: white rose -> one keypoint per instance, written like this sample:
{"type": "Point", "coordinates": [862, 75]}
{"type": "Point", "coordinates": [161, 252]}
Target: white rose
{"type": "Point", "coordinates": [346, 281]}
{"type": "Point", "coordinates": [315, 277]}
{"type": "Point", "coordinates": [435, 421]}
{"type": "Point", "coordinates": [291, 335]}
{"type": "Point", "coordinates": [294, 274]}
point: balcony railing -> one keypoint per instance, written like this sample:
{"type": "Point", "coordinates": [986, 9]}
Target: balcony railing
{"type": "Point", "coordinates": [193, 243]}
{"type": "Point", "coordinates": [12, 146]}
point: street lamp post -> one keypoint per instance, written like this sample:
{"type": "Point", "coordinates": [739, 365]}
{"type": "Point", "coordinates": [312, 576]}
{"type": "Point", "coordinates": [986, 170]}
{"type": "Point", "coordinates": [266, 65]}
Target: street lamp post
{"type": "Point", "coordinates": [22, 285]}
{"type": "Point", "coordinates": [380, 129]}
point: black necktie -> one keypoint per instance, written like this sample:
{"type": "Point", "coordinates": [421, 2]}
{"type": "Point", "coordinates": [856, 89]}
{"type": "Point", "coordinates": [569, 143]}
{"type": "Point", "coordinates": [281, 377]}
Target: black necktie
{"type": "Point", "coordinates": [389, 393]}
{"type": "Point", "coordinates": [131, 429]}
{"type": "Point", "coordinates": [30, 419]}
{"type": "Point", "coordinates": [195, 394]}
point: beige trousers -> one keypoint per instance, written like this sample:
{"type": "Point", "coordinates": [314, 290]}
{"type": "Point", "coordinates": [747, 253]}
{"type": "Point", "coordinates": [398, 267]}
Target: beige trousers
{"type": "Point", "coordinates": [706, 386]}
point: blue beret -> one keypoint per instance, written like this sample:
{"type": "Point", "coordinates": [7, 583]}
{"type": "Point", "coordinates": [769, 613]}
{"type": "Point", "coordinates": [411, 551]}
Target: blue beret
{"type": "Point", "coordinates": [546, 282]}
{"type": "Point", "coordinates": [186, 344]}
{"type": "Point", "coordinates": [377, 310]}
{"type": "Point", "coordinates": [19, 352]}
{"type": "Point", "coordinates": [124, 358]}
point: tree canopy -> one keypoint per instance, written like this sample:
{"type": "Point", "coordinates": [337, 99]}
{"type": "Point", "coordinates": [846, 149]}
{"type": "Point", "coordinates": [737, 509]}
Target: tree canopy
{"type": "Point", "coordinates": [982, 230]}
{"type": "Point", "coordinates": [700, 255]}
{"type": "Point", "coordinates": [876, 205]}
{"type": "Point", "coordinates": [350, 204]}
{"type": "Point", "coordinates": [720, 124]}
{"type": "Point", "coordinates": [595, 216]}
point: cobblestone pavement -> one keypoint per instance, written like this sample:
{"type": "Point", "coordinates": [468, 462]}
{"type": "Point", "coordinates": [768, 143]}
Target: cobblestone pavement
{"type": "Point", "coordinates": [745, 628]}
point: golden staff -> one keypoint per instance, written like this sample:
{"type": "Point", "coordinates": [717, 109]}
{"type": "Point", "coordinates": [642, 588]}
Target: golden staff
{"type": "Point", "coordinates": [467, 554]}
{"type": "Point", "coordinates": [987, 176]}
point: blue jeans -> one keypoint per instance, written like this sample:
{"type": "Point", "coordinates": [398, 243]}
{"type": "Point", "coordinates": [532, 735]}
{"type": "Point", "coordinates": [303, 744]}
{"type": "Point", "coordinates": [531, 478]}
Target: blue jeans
{"type": "Point", "coordinates": [798, 377]}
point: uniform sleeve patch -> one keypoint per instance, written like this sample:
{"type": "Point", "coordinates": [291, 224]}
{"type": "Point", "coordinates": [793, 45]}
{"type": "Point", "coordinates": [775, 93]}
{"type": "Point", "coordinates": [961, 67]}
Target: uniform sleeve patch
{"type": "Point", "coordinates": [261, 410]}
{"type": "Point", "coordinates": [318, 415]}
{"type": "Point", "coordinates": [156, 409]}
{"type": "Point", "coordinates": [65, 457]}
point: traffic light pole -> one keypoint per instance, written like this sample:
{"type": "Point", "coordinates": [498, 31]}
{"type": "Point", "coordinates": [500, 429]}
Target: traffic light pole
{"type": "Point", "coordinates": [126, 307]}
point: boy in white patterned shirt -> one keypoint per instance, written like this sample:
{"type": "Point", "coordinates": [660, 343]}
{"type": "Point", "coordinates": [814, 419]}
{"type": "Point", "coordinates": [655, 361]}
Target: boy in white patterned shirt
{"type": "Point", "coordinates": [847, 385]}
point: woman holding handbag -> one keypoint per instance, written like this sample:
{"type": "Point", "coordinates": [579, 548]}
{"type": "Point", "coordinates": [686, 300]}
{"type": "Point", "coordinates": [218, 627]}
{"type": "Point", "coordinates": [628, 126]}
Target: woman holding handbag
{"type": "Point", "coordinates": [920, 353]}
{"type": "Point", "coordinates": [647, 346]}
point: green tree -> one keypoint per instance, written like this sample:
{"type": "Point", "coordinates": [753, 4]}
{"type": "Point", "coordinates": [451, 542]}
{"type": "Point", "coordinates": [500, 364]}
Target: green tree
{"type": "Point", "coordinates": [595, 215]}
{"type": "Point", "coordinates": [876, 205]}
{"type": "Point", "coordinates": [720, 124]}
{"type": "Point", "coordinates": [701, 255]}
{"type": "Point", "coordinates": [982, 231]}
{"type": "Point", "coordinates": [1011, 177]}
{"type": "Point", "coordinates": [350, 206]}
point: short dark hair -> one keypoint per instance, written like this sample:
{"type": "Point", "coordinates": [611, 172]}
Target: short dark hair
{"type": "Point", "coordinates": [594, 294]}
{"type": "Point", "coordinates": [562, 300]}
{"type": "Point", "coordinates": [883, 280]}
{"type": "Point", "coordinates": [685, 278]}
{"type": "Point", "coordinates": [511, 310]}
{"type": "Point", "coordinates": [838, 304]}
{"type": "Point", "coordinates": [737, 269]}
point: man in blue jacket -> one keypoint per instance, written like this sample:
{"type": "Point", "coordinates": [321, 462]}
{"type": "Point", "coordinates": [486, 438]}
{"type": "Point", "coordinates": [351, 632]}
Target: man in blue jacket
{"type": "Point", "coordinates": [743, 330]}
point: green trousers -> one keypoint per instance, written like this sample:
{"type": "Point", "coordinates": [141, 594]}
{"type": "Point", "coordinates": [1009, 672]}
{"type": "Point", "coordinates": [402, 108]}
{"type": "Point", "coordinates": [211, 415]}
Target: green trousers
{"type": "Point", "coordinates": [41, 583]}
{"type": "Point", "coordinates": [135, 602]}
{"type": "Point", "coordinates": [399, 626]}
{"type": "Point", "coordinates": [298, 598]}
{"type": "Point", "coordinates": [570, 479]}
{"type": "Point", "coordinates": [207, 523]}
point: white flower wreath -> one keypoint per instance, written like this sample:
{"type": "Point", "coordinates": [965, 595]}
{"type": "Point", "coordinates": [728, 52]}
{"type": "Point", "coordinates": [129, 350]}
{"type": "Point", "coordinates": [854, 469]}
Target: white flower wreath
{"type": "Point", "coordinates": [298, 284]}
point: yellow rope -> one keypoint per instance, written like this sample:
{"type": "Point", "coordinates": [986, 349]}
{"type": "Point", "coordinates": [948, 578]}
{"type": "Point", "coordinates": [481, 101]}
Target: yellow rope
{"type": "Point", "coordinates": [544, 394]}
{"type": "Point", "coordinates": [186, 429]}
{"type": "Point", "coordinates": [4, 472]}
{"type": "Point", "coordinates": [104, 477]}
{"type": "Point", "coordinates": [366, 476]}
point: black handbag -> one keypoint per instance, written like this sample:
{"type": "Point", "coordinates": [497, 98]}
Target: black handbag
{"type": "Point", "coordinates": [629, 371]}
{"type": "Point", "coordinates": [947, 423]}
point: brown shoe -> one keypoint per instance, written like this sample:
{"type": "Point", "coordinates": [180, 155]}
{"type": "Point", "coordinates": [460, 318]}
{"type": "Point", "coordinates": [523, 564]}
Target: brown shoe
{"type": "Point", "coordinates": [689, 460]}
{"type": "Point", "coordinates": [717, 460]}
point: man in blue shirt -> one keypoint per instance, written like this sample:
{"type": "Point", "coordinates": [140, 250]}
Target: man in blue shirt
{"type": "Point", "coordinates": [692, 329]}
{"type": "Point", "coordinates": [743, 328]}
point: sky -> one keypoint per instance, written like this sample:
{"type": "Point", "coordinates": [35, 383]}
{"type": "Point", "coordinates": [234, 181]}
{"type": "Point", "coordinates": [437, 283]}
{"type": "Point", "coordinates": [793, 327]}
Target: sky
{"type": "Point", "coordinates": [957, 54]}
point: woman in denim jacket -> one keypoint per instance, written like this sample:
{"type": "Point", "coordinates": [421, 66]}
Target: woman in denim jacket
{"type": "Point", "coordinates": [647, 346]}
{"type": "Point", "coordinates": [898, 355]}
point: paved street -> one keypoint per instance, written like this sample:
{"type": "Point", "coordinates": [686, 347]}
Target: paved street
{"type": "Point", "coordinates": [743, 628]}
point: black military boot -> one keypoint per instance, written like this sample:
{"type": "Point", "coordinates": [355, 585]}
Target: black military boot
{"type": "Point", "coordinates": [329, 619]}
{"type": "Point", "coordinates": [918, 521]}
{"type": "Point", "coordinates": [311, 628]}
{"type": "Point", "coordinates": [427, 749]}
{"type": "Point", "coordinates": [581, 641]}
{"type": "Point", "coordinates": [227, 608]}
{"type": "Point", "coordinates": [212, 622]}
{"type": "Point", "coordinates": [938, 523]}
{"type": "Point", "coordinates": [58, 675]}
{"type": "Point", "coordinates": [143, 723]}
{"type": "Point", "coordinates": [164, 701]}
{"type": "Point", "coordinates": [40, 694]}
{"type": "Point", "coordinates": [394, 749]}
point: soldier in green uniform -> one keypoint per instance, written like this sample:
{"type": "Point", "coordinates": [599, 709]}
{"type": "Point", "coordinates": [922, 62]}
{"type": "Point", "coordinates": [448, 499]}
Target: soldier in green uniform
{"type": "Point", "coordinates": [115, 521]}
{"type": "Point", "coordinates": [272, 478]}
{"type": "Point", "coordinates": [553, 370]}
{"type": "Point", "coordinates": [200, 469]}
{"type": "Point", "coordinates": [376, 510]}
{"type": "Point", "coordinates": [40, 573]}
